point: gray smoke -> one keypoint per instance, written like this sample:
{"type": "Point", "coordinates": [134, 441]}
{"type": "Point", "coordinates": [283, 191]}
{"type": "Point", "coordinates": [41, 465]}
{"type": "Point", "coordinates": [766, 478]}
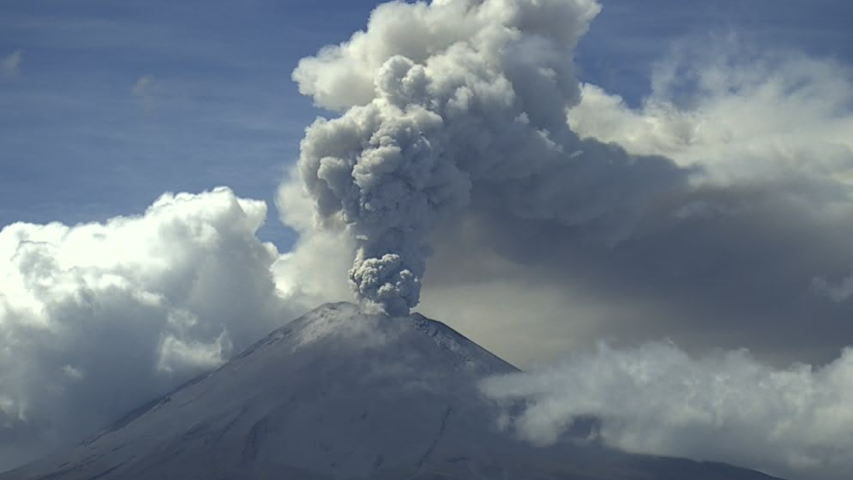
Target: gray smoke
{"type": "Point", "coordinates": [446, 100]}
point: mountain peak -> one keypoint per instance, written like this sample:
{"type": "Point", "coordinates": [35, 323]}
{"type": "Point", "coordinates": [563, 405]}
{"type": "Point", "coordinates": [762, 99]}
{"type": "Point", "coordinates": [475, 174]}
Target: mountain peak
{"type": "Point", "coordinates": [344, 325]}
{"type": "Point", "coordinates": [340, 393]}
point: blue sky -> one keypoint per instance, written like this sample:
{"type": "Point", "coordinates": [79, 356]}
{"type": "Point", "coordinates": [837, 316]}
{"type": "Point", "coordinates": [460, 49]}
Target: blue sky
{"type": "Point", "coordinates": [112, 104]}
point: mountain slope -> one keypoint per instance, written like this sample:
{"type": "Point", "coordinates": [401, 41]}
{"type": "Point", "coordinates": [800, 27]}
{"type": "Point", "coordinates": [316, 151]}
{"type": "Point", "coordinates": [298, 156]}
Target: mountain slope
{"type": "Point", "coordinates": [339, 394]}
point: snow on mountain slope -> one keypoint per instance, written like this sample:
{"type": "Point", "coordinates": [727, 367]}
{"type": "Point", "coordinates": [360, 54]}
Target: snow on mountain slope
{"type": "Point", "coordinates": [340, 394]}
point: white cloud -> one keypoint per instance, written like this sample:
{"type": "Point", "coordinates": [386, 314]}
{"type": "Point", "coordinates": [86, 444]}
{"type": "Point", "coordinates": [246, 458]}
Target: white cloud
{"type": "Point", "coordinates": [98, 318]}
{"type": "Point", "coordinates": [795, 422]}
{"type": "Point", "coordinates": [838, 292]}
{"type": "Point", "coordinates": [11, 65]}
{"type": "Point", "coordinates": [738, 113]}
{"type": "Point", "coordinates": [315, 270]}
{"type": "Point", "coordinates": [178, 355]}
{"type": "Point", "coordinates": [145, 89]}
{"type": "Point", "coordinates": [143, 86]}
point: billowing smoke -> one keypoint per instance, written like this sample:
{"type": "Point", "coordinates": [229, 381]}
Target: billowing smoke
{"type": "Point", "coordinates": [752, 255]}
{"type": "Point", "coordinates": [454, 99]}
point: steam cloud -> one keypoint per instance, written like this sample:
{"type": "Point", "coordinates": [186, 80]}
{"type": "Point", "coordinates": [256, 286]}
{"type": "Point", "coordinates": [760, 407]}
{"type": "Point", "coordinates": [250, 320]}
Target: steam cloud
{"type": "Point", "coordinates": [445, 100]}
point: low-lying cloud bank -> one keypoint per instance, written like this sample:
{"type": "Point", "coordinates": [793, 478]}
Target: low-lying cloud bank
{"type": "Point", "coordinates": [796, 422]}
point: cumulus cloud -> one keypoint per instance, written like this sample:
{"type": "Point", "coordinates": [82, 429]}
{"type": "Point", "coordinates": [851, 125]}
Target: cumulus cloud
{"type": "Point", "coordinates": [795, 422]}
{"type": "Point", "coordinates": [315, 269]}
{"type": "Point", "coordinates": [11, 65]}
{"type": "Point", "coordinates": [96, 319]}
{"type": "Point", "coordinates": [739, 112]}
{"type": "Point", "coordinates": [450, 99]}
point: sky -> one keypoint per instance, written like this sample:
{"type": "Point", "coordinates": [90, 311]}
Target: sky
{"type": "Point", "coordinates": [166, 199]}
{"type": "Point", "coordinates": [107, 107]}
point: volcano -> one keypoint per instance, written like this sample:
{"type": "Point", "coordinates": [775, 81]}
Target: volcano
{"type": "Point", "coordinates": [345, 395]}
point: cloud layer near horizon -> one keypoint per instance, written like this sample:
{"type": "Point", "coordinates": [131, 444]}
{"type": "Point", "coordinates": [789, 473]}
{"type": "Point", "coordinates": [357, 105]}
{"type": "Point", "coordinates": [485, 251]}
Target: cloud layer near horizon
{"type": "Point", "coordinates": [796, 423]}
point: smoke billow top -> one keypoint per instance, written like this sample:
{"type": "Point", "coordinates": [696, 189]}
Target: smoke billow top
{"type": "Point", "coordinates": [444, 101]}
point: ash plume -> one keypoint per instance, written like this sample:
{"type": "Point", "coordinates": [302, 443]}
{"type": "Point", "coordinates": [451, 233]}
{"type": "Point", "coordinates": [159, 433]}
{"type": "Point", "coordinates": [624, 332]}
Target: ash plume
{"type": "Point", "coordinates": [445, 100]}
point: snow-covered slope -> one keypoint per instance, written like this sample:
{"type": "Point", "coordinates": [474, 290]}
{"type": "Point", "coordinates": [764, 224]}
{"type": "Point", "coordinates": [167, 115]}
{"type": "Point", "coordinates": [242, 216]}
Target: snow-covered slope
{"type": "Point", "coordinates": [339, 394]}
